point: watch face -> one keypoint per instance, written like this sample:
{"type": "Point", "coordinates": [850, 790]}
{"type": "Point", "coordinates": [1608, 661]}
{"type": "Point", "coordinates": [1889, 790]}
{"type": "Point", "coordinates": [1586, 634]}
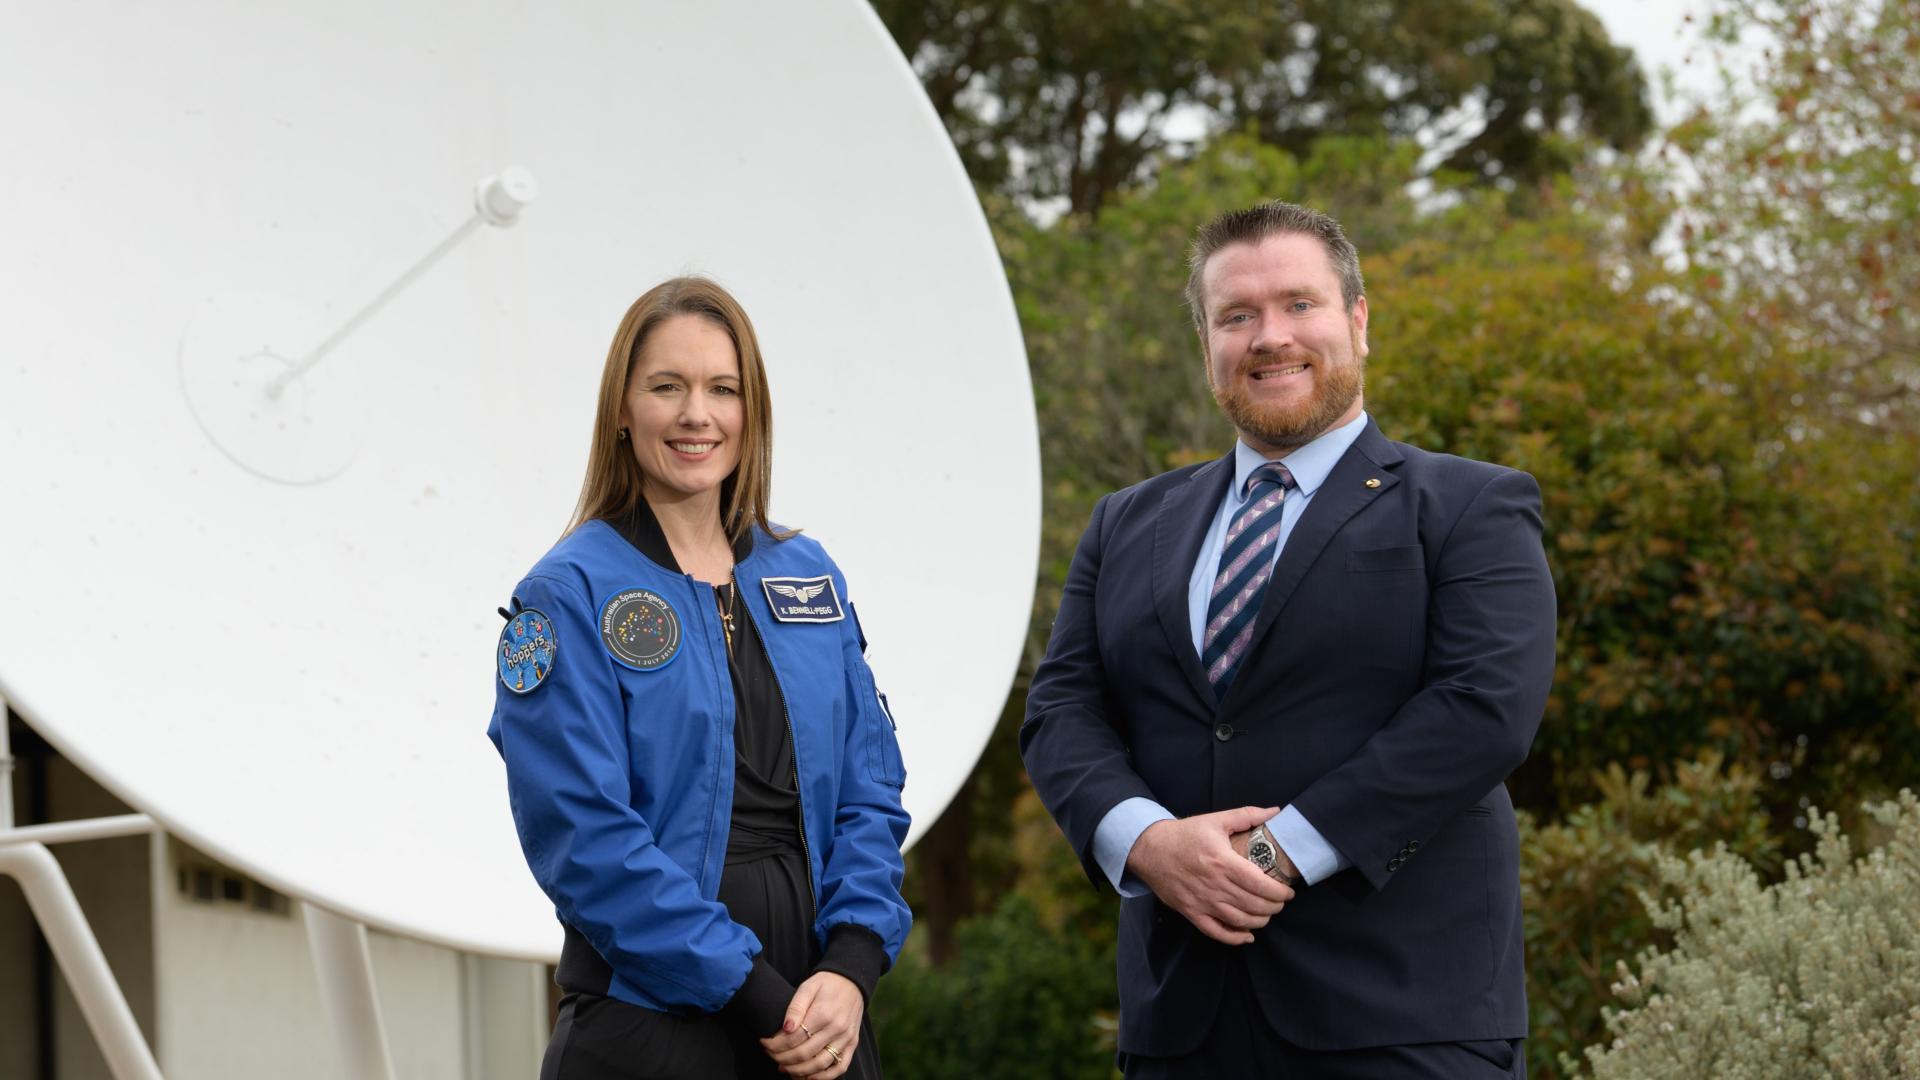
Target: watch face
{"type": "Point", "coordinates": [1261, 853]}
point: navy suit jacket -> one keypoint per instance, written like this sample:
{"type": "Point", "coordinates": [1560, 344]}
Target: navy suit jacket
{"type": "Point", "coordinates": [1398, 671]}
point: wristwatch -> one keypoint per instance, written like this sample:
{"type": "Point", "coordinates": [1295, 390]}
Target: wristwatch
{"type": "Point", "coordinates": [1265, 854]}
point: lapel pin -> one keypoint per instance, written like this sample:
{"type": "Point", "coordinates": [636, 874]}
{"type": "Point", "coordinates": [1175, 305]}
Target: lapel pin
{"type": "Point", "coordinates": [1373, 481]}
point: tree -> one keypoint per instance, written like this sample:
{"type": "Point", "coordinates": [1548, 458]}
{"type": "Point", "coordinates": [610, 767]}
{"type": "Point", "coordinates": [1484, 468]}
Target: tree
{"type": "Point", "coordinates": [1800, 199]}
{"type": "Point", "coordinates": [1075, 100]}
{"type": "Point", "coordinates": [1729, 576]}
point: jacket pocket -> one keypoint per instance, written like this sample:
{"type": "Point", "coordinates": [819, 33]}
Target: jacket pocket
{"type": "Point", "coordinates": [884, 763]}
{"type": "Point", "coordinates": [1373, 560]}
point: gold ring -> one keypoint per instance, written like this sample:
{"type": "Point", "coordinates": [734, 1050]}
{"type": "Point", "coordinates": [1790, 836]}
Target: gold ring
{"type": "Point", "coordinates": [835, 1053]}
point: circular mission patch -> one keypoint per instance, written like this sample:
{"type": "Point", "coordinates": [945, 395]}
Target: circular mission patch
{"type": "Point", "coordinates": [640, 629]}
{"type": "Point", "coordinates": [528, 647]}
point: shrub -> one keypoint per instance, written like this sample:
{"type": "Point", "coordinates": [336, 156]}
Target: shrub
{"type": "Point", "coordinates": [1817, 975]}
{"type": "Point", "coordinates": [1580, 880]}
{"type": "Point", "coordinates": [1729, 575]}
{"type": "Point", "coordinates": [1020, 1000]}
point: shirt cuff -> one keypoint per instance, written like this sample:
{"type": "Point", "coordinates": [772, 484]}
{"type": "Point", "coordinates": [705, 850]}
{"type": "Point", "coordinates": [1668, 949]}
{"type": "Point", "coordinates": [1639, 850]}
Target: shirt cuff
{"type": "Point", "coordinates": [1114, 837]}
{"type": "Point", "coordinates": [1312, 856]}
{"type": "Point", "coordinates": [760, 1005]}
{"type": "Point", "coordinates": [857, 954]}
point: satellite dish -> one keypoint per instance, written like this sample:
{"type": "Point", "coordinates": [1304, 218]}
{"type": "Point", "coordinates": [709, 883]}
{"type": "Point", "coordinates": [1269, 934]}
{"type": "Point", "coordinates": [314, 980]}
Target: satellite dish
{"type": "Point", "coordinates": [255, 599]}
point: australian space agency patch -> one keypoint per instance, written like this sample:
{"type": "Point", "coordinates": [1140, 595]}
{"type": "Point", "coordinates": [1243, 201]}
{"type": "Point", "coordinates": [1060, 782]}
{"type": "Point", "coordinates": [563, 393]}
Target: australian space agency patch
{"type": "Point", "coordinates": [640, 629]}
{"type": "Point", "coordinates": [528, 647]}
{"type": "Point", "coordinates": [812, 599]}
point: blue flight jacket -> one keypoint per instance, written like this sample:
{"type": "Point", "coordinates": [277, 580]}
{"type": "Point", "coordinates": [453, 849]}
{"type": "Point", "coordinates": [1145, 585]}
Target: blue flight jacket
{"type": "Point", "coordinates": [620, 774]}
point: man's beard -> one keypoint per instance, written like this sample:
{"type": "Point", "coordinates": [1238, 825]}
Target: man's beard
{"type": "Point", "coordinates": [1286, 426]}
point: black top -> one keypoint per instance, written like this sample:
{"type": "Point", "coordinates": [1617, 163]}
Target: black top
{"type": "Point", "coordinates": [766, 800]}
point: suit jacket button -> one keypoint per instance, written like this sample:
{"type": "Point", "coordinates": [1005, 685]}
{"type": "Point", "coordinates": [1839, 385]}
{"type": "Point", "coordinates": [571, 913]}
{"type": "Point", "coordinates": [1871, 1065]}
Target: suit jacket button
{"type": "Point", "coordinates": [1392, 865]}
{"type": "Point", "coordinates": [1413, 846]}
{"type": "Point", "coordinates": [1223, 732]}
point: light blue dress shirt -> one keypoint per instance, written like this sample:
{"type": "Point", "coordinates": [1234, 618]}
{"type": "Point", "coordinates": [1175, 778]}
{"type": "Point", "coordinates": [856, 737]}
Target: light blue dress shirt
{"type": "Point", "coordinates": [1316, 859]}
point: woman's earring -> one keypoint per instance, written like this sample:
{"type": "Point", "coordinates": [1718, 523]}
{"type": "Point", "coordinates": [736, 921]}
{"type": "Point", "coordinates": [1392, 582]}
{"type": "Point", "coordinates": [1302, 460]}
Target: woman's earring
{"type": "Point", "coordinates": [621, 435]}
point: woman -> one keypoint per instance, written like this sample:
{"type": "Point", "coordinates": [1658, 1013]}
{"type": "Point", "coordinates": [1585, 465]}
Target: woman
{"type": "Point", "coordinates": [704, 778]}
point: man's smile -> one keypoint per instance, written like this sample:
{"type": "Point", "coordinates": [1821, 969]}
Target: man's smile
{"type": "Point", "coordinates": [1274, 373]}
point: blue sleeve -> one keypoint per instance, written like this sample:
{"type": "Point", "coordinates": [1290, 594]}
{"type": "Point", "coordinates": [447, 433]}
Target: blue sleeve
{"type": "Point", "coordinates": [1316, 859]}
{"type": "Point", "coordinates": [564, 744]}
{"type": "Point", "coordinates": [863, 868]}
{"type": "Point", "coordinates": [1114, 837]}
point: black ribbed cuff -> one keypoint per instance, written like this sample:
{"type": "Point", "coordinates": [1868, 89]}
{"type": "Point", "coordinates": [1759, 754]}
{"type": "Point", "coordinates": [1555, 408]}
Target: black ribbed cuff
{"type": "Point", "coordinates": [857, 953]}
{"type": "Point", "coordinates": [761, 1002]}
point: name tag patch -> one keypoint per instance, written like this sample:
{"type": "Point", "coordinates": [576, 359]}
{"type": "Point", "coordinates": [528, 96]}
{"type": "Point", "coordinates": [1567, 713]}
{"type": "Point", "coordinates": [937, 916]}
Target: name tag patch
{"type": "Point", "coordinates": [528, 647]}
{"type": "Point", "coordinates": [640, 629]}
{"type": "Point", "coordinates": [812, 599]}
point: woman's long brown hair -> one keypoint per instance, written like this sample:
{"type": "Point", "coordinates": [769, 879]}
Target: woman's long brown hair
{"type": "Point", "coordinates": [612, 486]}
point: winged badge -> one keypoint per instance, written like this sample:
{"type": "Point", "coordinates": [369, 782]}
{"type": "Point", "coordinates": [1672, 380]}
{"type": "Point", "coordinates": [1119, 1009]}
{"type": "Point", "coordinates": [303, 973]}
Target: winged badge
{"type": "Point", "coordinates": [800, 594]}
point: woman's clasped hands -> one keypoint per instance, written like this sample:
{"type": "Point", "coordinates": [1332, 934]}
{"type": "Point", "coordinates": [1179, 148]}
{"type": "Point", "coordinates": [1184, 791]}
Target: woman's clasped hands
{"type": "Point", "coordinates": [817, 1039]}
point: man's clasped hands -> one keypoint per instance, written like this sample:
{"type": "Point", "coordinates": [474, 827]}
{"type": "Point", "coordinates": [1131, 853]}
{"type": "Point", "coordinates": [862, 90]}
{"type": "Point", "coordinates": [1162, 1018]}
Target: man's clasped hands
{"type": "Point", "coordinates": [1198, 866]}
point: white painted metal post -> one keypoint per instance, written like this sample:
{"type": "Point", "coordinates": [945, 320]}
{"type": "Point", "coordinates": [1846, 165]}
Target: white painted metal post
{"type": "Point", "coordinates": [6, 765]}
{"type": "Point", "coordinates": [61, 832]}
{"type": "Point", "coordinates": [345, 967]}
{"type": "Point", "coordinates": [78, 953]}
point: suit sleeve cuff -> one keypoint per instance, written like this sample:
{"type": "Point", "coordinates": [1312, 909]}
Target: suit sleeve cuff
{"type": "Point", "coordinates": [1114, 837]}
{"type": "Point", "coordinates": [857, 953]}
{"type": "Point", "coordinates": [1316, 859]}
{"type": "Point", "coordinates": [760, 1005]}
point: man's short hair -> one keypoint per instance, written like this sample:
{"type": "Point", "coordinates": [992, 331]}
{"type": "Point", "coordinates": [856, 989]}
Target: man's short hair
{"type": "Point", "coordinates": [1256, 223]}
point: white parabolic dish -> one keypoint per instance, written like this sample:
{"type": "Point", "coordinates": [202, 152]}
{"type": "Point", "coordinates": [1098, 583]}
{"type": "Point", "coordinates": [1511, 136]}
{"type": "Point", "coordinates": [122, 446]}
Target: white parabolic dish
{"type": "Point", "coordinates": [281, 645]}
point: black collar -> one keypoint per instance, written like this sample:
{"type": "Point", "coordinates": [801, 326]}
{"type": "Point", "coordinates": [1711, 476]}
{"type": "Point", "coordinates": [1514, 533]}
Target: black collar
{"type": "Point", "coordinates": [642, 529]}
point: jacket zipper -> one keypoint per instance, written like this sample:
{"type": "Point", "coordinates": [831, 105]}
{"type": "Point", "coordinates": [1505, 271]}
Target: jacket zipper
{"type": "Point", "coordinates": [793, 744]}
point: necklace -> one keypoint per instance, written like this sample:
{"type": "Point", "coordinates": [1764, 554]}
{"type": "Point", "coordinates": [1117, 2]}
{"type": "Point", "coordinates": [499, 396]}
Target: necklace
{"type": "Point", "coordinates": [726, 611]}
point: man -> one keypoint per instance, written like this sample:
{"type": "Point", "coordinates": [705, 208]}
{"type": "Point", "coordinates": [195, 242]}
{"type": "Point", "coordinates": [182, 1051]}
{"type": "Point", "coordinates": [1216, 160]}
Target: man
{"type": "Point", "coordinates": [1280, 700]}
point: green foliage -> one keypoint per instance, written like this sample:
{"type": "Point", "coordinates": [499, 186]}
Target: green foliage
{"type": "Point", "coordinates": [1075, 99]}
{"type": "Point", "coordinates": [1581, 880]}
{"type": "Point", "coordinates": [1817, 975]}
{"type": "Point", "coordinates": [1727, 577]}
{"type": "Point", "coordinates": [1023, 999]}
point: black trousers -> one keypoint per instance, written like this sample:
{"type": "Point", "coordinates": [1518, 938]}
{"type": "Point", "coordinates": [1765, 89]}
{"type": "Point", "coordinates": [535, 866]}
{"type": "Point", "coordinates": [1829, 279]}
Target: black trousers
{"type": "Point", "coordinates": [1242, 1044]}
{"type": "Point", "coordinates": [601, 1038]}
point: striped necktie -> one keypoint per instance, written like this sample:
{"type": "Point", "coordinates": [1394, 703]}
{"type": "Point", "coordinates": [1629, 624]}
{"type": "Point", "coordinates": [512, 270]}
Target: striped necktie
{"type": "Point", "coordinates": [1246, 562]}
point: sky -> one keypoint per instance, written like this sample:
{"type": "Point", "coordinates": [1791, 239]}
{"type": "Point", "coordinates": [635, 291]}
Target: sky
{"type": "Point", "coordinates": [1659, 36]}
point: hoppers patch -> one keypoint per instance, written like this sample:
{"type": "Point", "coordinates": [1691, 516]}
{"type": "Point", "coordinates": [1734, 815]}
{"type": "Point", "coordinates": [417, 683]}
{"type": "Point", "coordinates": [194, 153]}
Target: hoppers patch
{"type": "Point", "coordinates": [528, 648]}
{"type": "Point", "coordinates": [640, 629]}
{"type": "Point", "coordinates": [796, 599]}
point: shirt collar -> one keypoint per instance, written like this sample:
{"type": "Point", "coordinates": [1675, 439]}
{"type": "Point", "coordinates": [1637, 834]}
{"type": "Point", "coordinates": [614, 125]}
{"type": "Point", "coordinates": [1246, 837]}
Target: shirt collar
{"type": "Point", "coordinates": [1309, 465]}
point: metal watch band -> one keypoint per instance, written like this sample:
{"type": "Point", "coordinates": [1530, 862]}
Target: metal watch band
{"type": "Point", "coordinates": [1267, 860]}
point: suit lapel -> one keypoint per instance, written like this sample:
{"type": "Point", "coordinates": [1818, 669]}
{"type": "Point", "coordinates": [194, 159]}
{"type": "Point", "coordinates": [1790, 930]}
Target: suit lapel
{"type": "Point", "coordinates": [1344, 494]}
{"type": "Point", "coordinates": [1185, 512]}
